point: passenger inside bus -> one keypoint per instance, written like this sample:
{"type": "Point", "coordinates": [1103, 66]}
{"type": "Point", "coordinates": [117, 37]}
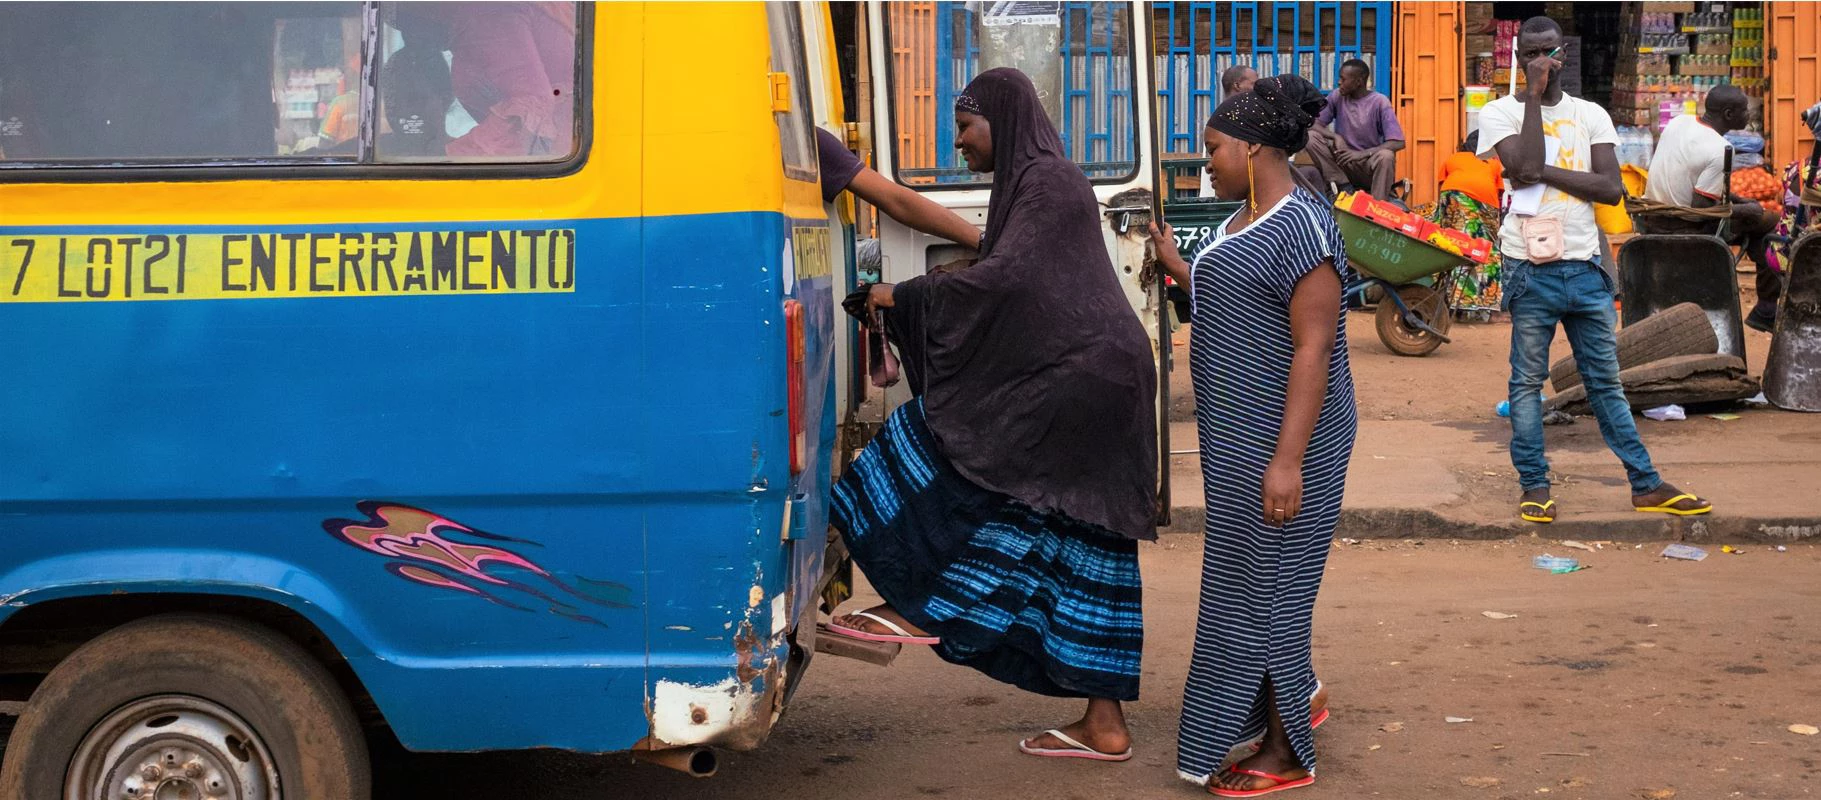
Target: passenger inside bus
{"type": "Point", "coordinates": [842, 171]}
{"type": "Point", "coordinates": [512, 68]}
{"type": "Point", "coordinates": [415, 93]}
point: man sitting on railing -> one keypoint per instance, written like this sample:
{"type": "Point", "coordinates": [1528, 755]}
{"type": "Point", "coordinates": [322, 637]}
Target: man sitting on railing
{"type": "Point", "coordinates": [1689, 169]}
{"type": "Point", "coordinates": [1356, 138]}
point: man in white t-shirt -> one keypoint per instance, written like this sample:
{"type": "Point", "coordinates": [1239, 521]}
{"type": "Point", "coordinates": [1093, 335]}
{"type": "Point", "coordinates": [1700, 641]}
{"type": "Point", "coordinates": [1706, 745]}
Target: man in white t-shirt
{"type": "Point", "coordinates": [1560, 158]}
{"type": "Point", "coordinates": [1689, 169]}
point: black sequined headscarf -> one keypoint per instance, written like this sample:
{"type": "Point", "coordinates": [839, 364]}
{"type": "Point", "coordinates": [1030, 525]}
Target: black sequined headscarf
{"type": "Point", "coordinates": [1276, 113]}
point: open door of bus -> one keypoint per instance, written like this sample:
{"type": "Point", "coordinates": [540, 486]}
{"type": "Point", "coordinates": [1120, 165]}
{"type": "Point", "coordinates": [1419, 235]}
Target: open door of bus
{"type": "Point", "coordinates": [1082, 56]}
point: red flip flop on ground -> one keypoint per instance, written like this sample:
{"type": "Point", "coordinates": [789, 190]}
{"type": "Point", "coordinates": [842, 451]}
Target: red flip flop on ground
{"type": "Point", "coordinates": [1281, 783]}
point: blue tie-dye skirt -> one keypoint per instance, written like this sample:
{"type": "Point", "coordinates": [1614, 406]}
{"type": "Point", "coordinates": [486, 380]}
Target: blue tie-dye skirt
{"type": "Point", "coordinates": [1038, 600]}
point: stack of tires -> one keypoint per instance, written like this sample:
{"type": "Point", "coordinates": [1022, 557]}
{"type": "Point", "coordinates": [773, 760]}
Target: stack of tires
{"type": "Point", "coordinates": [1670, 357]}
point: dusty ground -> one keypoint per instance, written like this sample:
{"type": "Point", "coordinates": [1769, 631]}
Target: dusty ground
{"type": "Point", "coordinates": [1639, 675]}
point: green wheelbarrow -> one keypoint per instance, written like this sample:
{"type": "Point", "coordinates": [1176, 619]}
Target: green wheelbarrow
{"type": "Point", "coordinates": [1416, 319]}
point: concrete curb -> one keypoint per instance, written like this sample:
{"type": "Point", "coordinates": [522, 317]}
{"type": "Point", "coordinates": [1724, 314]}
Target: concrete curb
{"type": "Point", "coordinates": [1419, 523]}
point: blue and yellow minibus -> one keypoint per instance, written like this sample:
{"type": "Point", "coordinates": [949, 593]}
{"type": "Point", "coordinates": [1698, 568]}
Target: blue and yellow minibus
{"type": "Point", "coordinates": [464, 370]}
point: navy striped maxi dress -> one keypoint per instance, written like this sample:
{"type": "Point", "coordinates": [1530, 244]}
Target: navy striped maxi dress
{"type": "Point", "coordinates": [1258, 583]}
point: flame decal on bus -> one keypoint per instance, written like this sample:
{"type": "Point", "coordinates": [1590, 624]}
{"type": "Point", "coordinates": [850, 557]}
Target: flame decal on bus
{"type": "Point", "coordinates": [424, 552]}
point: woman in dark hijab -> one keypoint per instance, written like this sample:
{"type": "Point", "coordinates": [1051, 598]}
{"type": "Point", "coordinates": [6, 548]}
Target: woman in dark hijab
{"type": "Point", "coordinates": [998, 512]}
{"type": "Point", "coordinates": [1275, 412]}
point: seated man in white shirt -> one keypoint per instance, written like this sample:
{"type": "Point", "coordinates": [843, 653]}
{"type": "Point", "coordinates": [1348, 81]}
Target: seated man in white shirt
{"type": "Point", "coordinates": [1689, 169]}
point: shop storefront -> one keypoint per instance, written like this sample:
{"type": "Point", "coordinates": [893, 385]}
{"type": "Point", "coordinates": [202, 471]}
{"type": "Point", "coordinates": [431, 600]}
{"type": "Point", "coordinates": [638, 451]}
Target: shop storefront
{"type": "Point", "coordinates": [1644, 61]}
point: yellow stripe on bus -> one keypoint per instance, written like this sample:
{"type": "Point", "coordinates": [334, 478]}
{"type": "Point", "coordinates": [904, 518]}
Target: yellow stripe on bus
{"type": "Point", "coordinates": [681, 124]}
{"type": "Point", "coordinates": [211, 266]}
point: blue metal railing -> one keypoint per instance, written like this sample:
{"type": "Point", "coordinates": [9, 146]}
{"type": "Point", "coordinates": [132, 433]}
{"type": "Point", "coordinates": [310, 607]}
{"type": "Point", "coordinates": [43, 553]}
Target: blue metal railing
{"type": "Point", "coordinates": [1097, 111]}
{"type": "Point", "coordinates": [1096, 125]}
{"type": "Point", "coordinates": [1273, 38]}
{"type": "Point", "coordinates": [1082, 64]}
{"type": "Point", "coordinates": [953, 65]}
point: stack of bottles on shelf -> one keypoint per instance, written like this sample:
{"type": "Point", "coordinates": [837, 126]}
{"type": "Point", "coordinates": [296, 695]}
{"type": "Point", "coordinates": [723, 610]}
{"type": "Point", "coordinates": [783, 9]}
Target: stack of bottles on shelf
{"type": "Point", "coordinates": [1747, 51]}
{"type": "Point", "coordinates": [1670, 55]}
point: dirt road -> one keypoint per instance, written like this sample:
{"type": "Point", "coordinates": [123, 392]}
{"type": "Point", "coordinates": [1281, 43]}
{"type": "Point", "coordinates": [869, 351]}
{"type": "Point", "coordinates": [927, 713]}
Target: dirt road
{"type": "Point", "coordinates": [1638, 675]}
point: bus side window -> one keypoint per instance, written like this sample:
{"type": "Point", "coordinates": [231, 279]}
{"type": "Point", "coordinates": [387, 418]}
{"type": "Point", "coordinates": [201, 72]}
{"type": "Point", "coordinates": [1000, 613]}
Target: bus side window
{"type": "Point", "coordinates": [505, 91]}
{"type": "Point", "coordinates": [172, 81]}
{"type": "Point", "coordinates": [209, 85]}
{"type": "Point", "coordinates": [794, 126]}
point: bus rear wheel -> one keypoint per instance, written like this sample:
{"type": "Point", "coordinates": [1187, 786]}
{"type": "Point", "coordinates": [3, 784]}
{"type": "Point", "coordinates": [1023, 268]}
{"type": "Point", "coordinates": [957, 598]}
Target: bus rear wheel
{"type": "Point", "coordinates": [197, 707]}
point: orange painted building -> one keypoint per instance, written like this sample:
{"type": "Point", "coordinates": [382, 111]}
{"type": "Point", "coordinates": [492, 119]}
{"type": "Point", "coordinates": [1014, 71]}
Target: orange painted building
{"type": "Point", "coordinates": [1793, 30]}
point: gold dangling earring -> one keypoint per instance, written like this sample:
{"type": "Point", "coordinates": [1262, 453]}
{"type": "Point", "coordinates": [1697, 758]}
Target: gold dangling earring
{"type": "Point", "coordinates": [1251, 187]}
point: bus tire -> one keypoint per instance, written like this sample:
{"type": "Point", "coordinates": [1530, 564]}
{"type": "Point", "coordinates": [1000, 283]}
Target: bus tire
{"type": "Point", "coordinates": [199, 703]}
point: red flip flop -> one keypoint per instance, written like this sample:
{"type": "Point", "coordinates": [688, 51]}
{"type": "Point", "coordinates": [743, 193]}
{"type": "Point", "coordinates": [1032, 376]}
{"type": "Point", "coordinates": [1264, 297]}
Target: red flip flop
{"type": "Point", "coordinates": [1282, 783]}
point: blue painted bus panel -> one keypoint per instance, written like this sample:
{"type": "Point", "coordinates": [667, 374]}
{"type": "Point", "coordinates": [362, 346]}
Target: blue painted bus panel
{"type": "Point", "coordinates": [518, 516]}
{"type": "Point", "coordinates": [533, 661]}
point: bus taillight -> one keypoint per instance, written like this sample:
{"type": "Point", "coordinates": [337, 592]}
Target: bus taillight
{"type": "Point", "coordinates": [793, 377]}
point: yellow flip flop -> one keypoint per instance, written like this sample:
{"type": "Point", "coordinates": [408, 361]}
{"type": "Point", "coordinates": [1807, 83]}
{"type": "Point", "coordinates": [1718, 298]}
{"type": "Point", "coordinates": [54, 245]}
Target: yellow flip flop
{"type": "Point", "coordinates": [1542, 507]}
{"type": "Point", "coordinates": [1669, 507]}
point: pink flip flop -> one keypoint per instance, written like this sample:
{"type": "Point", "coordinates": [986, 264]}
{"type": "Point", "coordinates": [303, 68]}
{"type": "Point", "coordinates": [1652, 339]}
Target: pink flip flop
{"type": "Point", "coordinates": [1280, 783]}
{"type": "Point", "coordinates": [1075, 750]}
{"type": "Point", "coordinates": [898, 635]}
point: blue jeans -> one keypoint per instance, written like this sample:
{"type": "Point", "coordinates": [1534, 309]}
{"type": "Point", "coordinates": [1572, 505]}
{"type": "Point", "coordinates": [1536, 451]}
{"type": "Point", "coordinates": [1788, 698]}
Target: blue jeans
{"type": "Point", "coordinates": [1577, 295]}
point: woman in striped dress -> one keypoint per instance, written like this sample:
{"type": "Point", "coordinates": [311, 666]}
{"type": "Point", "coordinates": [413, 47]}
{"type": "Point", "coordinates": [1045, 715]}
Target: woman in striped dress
{"type": "Point", "coordinates": [1275, 413]}
{"type": "Point", "coordinates": [997, 512]}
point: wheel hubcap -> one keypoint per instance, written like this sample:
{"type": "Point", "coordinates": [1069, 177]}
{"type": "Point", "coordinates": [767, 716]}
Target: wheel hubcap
{"type": "Point", "coordinates": [1428, 308]}
{"type": "Point", "coordinates": [172, 747]}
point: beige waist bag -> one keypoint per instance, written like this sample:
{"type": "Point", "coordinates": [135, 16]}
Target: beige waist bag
{"type": "Point", "coordinates": [1542, 239]}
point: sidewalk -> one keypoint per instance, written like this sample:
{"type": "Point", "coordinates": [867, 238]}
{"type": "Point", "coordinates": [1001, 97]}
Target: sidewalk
{"type": "Point", "coordinates": [1431, 461]}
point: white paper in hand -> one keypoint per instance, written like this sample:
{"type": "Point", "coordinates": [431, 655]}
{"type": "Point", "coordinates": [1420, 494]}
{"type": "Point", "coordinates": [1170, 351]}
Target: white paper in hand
{"type": "Point", "coordinates": [1527, 201]}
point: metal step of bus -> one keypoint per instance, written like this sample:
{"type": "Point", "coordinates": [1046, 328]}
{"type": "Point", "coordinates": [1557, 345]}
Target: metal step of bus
{"type": "Point", "coordinates": [881, 653]}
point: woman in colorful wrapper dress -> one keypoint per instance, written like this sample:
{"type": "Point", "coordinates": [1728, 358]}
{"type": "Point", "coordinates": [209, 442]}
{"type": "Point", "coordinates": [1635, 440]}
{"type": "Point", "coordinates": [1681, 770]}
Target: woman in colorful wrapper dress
{"type": "Point", "coordinates": [1468, 201]}
{"type": "Point", "coordinates": [998, 512]}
